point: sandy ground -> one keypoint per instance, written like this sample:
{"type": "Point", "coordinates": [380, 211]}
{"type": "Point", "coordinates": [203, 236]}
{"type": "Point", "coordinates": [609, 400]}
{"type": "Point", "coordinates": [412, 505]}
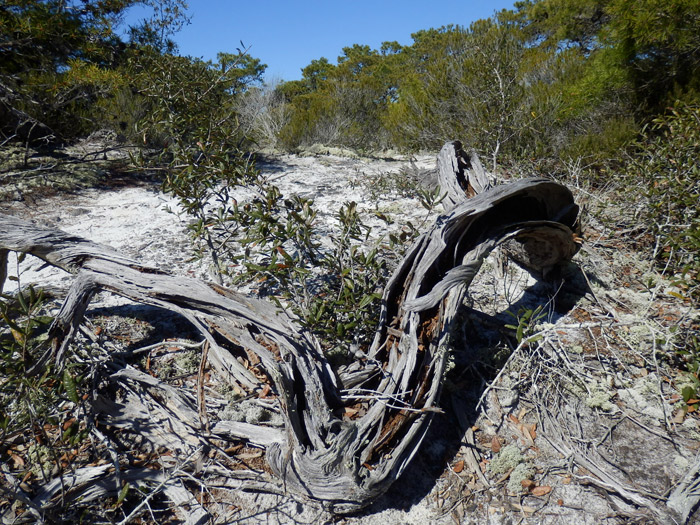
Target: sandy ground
{"type": "Point", "coordinates": [147, 225]}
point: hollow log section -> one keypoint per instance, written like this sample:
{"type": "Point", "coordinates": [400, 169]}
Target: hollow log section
{"type": "Point", "coordinates": [349, 433]}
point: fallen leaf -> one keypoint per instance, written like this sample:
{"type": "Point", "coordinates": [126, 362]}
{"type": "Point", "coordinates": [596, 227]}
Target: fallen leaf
{"type": "Point", "coordinates": [513, 419]}
{"type": "Point", "coordinates": [495, 445]}
{"type": "Point", "coordinates": [566, 480]}
{"type": "Point", "coordinates": [523, 508]}
{"type": "Point", "coordinates": [459, 466]}
{"type": "Point", "coordinates": [542, 490]}
{"type": "Point", "coordinates": [265, 391]}
{"type": "Point", "coordinates": [525, 435]}
{"type": "Point", "coordinates": [505, 476]}
{"type": "Point", "coordinates": [560, 502]}
{"type": "Point", "coordinates": [679, 416]}
{"type": "Point", "coordinates": [528, 484]}
{"type": "Point", "coordinates": [531, 430]}
{"type": "Point", "coordinates": [234, 449]}
{"type": "Point", "coordinates": [17, 460]}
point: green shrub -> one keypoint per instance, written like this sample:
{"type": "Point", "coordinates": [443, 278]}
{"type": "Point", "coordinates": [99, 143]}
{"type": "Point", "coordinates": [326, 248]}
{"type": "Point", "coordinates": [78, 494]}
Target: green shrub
{"type": "Point", "coordinates": [666, 174]}
{"type": "Point", "coordinates": [37, 403]}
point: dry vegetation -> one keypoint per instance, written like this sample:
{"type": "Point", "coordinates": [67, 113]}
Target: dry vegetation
{"type": "Point", "coordinates": [568, 400]}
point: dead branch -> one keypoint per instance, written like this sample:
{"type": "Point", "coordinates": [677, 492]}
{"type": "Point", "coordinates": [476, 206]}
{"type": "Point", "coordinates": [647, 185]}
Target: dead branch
{"type": "Point", "coordinates": [349, 433]}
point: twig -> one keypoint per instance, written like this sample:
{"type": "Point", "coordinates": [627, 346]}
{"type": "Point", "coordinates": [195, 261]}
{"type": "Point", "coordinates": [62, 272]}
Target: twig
{"type": "Point", "coordinates": [183, 344]}
{"type": "Point", "coordinates": [156, 490]}
{"type": "Point", "coordinates": [500, 373]}
{"type": "Point", "coordinates": [201, 401]}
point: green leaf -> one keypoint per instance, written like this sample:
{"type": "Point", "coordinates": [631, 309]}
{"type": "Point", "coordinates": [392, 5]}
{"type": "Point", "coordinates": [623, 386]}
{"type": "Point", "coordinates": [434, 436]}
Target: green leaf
{"type": "Point", "coordinates": [688, 393]}
{"type": "Point", "coordinates": [365, 301]}
{"type": "Point", "coordinates": [70, 387]}
{"type": "Point", "coordinates": [534, 338]}
{"type": "Point", "coordinates": [122, 494]}
{"type": "Point", "coordinates": [11, 323]}
{"type": "Point", "coordinates": [23, 302]}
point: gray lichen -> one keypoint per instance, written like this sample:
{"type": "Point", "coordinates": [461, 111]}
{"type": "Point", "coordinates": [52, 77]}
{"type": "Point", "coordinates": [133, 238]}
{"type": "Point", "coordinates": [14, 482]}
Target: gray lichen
{"type": "Point", "coordinates": [250, 411]}
{"type": "Point", "coordinates": [508, 458]}
{"type": "Point", "coordinates": [520, 473]}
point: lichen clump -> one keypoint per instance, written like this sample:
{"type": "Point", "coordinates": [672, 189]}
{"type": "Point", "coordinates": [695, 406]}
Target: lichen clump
{"type": "Point", "coordinates": [599, 397]}
{"type": "Point", "coordinates": [249, 411]}
{"type": "Point", "coordinates": [188, 361]}
{"type": "Point", "coordinates": [520, 473]}
{"type": "Point", "coordinates": [508, 458]}
{"type": "Point", "coordinates": [511, 459]}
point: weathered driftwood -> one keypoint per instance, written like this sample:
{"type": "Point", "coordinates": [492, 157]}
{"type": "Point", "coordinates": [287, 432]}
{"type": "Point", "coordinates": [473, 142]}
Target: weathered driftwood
{"type": "Point", "coordinates": [348, 433]}
{"type": "Point", "coordinates": [460, 174]}
{"type": "Point", "coordinates": [685, 496]}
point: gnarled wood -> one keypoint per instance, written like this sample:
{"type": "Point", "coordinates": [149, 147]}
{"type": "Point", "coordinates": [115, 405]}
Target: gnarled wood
{"type": "Point", "coordinates": [460, 174]}
{"type": "Point", "coordinates": [344, 459]}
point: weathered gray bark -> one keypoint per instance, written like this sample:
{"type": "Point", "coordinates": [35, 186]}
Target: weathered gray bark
{"type": "Point", "coordinates": [686, 496]}
{"type": "Point", "coordinates": [348, 434]}
{"type": "Point", "coordinates": [460, 174]}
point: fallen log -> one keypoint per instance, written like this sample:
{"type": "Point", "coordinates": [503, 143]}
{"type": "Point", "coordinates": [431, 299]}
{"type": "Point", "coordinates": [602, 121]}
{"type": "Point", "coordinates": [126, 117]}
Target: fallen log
{"type": "Point", "coordinates": [347, 433]}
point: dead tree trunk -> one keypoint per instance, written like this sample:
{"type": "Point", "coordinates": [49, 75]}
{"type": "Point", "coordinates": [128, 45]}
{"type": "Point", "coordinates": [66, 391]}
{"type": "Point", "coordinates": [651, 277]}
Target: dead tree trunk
{"type": "Point", "coordinates": [460, 174]}
{"type": "Point", "coordinates": [348, 433]}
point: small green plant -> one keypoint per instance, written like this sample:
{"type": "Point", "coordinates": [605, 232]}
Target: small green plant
{"type": "Point", "coordinates": [347, 306]}
{"type": "Point", "coordinates": [37, 403]}
{"type": "Point", "coordinates": [192, 123]}
{"type": "Point", "coordinates": [376, 186]}
{"type": "Point", "coordinates": [430, 199]}
{"type": "Point", "coordinates": [526, 327]}
{"type": "Point", "coordinates": [333, 289]}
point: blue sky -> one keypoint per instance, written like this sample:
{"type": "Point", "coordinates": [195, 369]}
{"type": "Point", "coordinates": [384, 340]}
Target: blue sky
{"type": "Point", "coordinates": [287, 35]}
